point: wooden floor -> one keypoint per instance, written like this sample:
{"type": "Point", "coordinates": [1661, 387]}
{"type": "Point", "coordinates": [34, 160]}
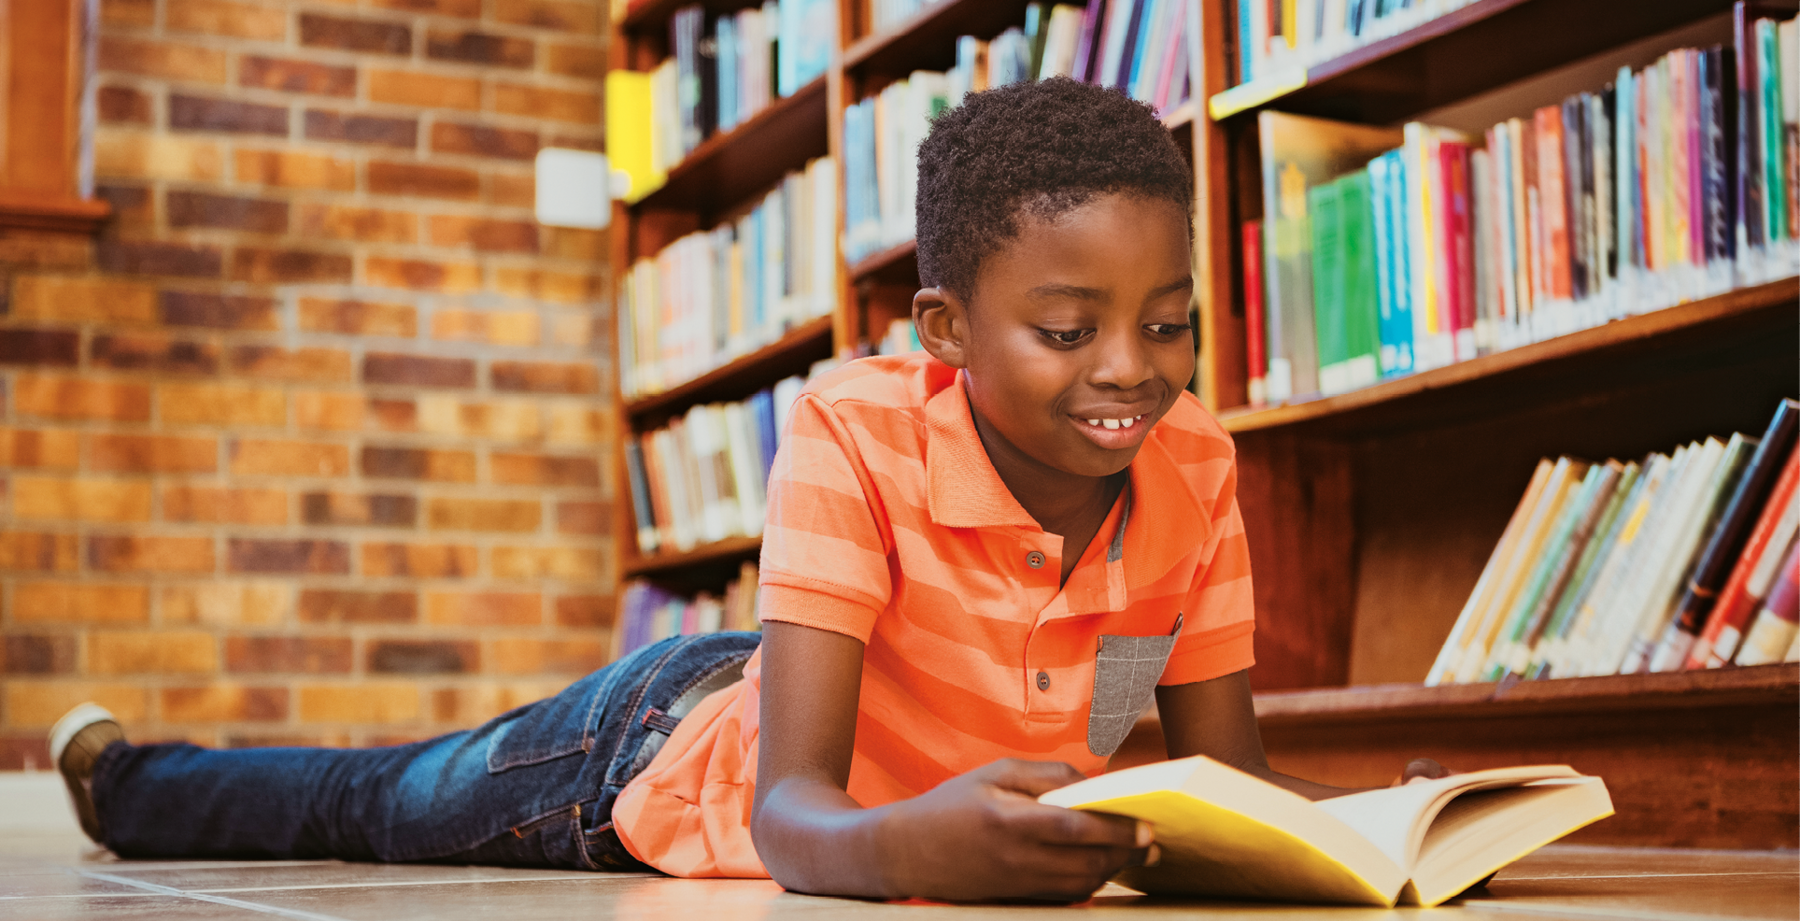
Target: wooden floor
{"type": "Point", "coordinates": [49, 871]}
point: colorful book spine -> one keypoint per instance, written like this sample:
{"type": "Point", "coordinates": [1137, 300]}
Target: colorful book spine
{"type": "Point", "coordinates": [1255, 335]}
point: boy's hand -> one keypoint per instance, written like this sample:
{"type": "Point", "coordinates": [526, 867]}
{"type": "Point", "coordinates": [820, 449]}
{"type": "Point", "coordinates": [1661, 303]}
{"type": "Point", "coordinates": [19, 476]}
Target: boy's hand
{"type": "Point", "coordinates": [1422, 769]}
{"type": "Point", "coordinates": [983, 835]}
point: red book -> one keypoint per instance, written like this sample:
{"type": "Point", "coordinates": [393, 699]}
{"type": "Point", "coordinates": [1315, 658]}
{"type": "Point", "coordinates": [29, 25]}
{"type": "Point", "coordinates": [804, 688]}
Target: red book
{"type": "Point", "coordinates": [1256, 344]}
{"type": "Point", "coordinates": [1459, 247]}
{"type": "Point", "coordinates": [1736, 603]}
{"type": "Point", "coordinates": [1552, 201]}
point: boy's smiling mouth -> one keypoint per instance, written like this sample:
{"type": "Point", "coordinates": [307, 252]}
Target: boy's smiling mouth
{"type": "Point", "coordinates": [1115, 431]}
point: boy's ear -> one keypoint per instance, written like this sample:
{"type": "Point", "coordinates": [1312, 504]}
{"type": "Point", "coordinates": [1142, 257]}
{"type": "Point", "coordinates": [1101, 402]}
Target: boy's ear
{"type": "Point", "coordinates": [942, 321]}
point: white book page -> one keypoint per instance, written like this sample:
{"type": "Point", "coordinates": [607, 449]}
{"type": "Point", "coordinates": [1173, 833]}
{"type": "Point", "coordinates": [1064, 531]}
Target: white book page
{"type": "Point", "coordinates": [1395, 819]}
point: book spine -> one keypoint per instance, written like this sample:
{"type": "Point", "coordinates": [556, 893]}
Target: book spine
{"type": "Point", "coordinates": [1459, 249]}
{"type": "Point", "coordinates": [1324, 211]}
{"type": "Point", "coordinates": [1769, 111]}
{"type": "Point", "coordinates": [1775, 527]}
{"type": "Point", "coordinates": [641, 508]}
{"type": "Point", "coordinates": [1085, 57]}
{"type": "Point", "coordinates": [1550, 646]}
{"type": "Point", "coordinates": [1553, 200]}
{"type": "Point", "coordinates": [1255, 343]}
{"type": "Point", "coordinates": [1362, 341]}
{"type": "Point", "coordinates": [1749, 191]}
{"type": "Point", "coordinates": [1774, 629]}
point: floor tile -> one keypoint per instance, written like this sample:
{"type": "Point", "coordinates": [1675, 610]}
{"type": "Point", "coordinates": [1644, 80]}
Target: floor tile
{"type": "Point", "coordinates": [125, 908]}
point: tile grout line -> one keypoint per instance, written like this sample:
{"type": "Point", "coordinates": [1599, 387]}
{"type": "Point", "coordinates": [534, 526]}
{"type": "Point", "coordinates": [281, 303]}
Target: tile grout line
{"type": "Point", "coordinates": [1633, 914]}
{"type": "Point", "coordinates": [376, 884]}
{"type": "Point", "coordinates": [215, 899]}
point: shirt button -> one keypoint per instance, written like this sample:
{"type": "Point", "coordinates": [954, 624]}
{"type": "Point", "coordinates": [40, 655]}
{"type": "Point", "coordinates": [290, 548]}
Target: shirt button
{"type": "Point", "coordinates": [1043, 681]}
{"type": "Point", "coordinates": [1034, 559]}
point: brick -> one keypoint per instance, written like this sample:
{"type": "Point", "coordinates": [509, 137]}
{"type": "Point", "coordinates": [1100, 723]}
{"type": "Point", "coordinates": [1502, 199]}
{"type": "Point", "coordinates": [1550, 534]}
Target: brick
{"type": "Point", "coordinates": [307, 655]}
{"type": "Point", "coordinates": [30, 551]}
{"type": "Point", "coordinates": [292, 169]}
{"type": "Point", "coordinates": [140, 652]}
{"type": "Point", "coordinates": [496, 327]}
{"type": "Point", "coordinates": [377, 36]}
{"type": "Point", "coordinates": [220, 404]}
{"type": "Point", "coordinates": [420, 561]}
{"type": "Point", "coordinates": [162, 59]}
{"type": "Point", "coordinates": [272, 457]}
{"type": "Point", "coordinates": [364, 702]}
{"type": "Point", "coordinates": [422, 275]}
{"type": "Point", "coordinates": [139, 553]}
{"type": "Point", "coordinates": [481, 141]}
{"type": "Point", "coordinates": [286, 266]}
{"type": "Point", "coordinates": [358, 318]}
{"type": "Point", "coordinates": [573, 564]}
{"type": "Point", "coordinates": [378, 509]}
{"type": "Point", "coordinates": [225, 604]}
{"type": "Point", "coordinates": [123, 104]}
{"type": "Point", "coordinates": [389, 178]}
{"type": "Point", "coordinates": [198, 209]}
{"type": "Point", "coordinates": [218, 17]}
{"type": "Point", "coordinates": [222, 505]}
{"type": "Point", "coordinates": [585, 611]}
{"type": "Point", "coordinates": [293, 76]}
{"type": "Point", "coordinates": [575, 243]}
{"type": "Point", "coordinates": [224, 703]}
{"type": "Point", "coordinates": [314, 557]}
{"type": "Point", "coordinates": [479, 48]}
{"type": "Point", "coordinates": [431, 91]}
{"type": "Point", "coordinates": [135, 155]}
{"type": "Point", "coordinates": [587, 518]}
{"type": "Point", "coordinates": [484, 234]}
{"type": "Point", "coordinates": [145, 257]}
{"type": "Point", "coordinates": [577, 425]}
{"type": "Point", "coordinates": [42, 703]}
{"type": "Point", "coordinates": [392, 415]}
{"type": "Point", "coordinates": [591, 139]}
{"type": "Point", "coordinates": [515, 655]}
{"type": "Point", "coordinates": [417, 370]}
{"type": "Point", "coordinates": [153, 454]}
{"type": "Point", "coordinates": [342, 607]}
{"type": "Point", "coordinates": [128, 13]}
{"type": "Point", "coordinates": [153, 352]}
{"type": "Point", "coordinates": [305, 364]}
{"type": "Point", "coordinates": [39, 347]}
{"type": "Point", "coordinates": [484, 609]}
{"type": "Point", "coordinates": [512, 190]}
{"type": "Point", "coordinates": [80, 398]}
{"type": "Point", "coordinates": [217, 311]}
{"type": "Point", "coordinates": [467, 9]}
{"type": "Point", "coordinates": [204, 113]}
{"type": "Point", "coordinates": [543, 470]}
{"type": "Point", "coordinates": [543, 102]}
{"type": "Point", "coordinates": [329, 411]}
{"type": "Point", "coordinates": [37, 655]}
{"type": "Point", "coordinates": [347, 222]}
{"type": "Point", "coordinates": [585, 61]}
{"type": "Point", "coordinates": [418, 464]}
{"type": "Point", "coordinates": [423, 657]}
{"type": "Point", "coordinates": [323, 125]}
{"type": "Point", "coordinates": [131, 206]}
{"type": "Point", "coordinates": [560, 15]}
{"type": "Point", "coordinates": [45, 449]}
{"type": "Point", "coordinates": [80, 499]}
{"type": "Point", "coordinates": [79, 602]}
{"type": "Point", "coordinates": [502, 420]}
{"type": "Point", "coordinates": [546, 285]}
{"type": "Point", "coordinates": [444, 514]}
{"type": "Point", "coordinates": [545, 376]}
{"type": "Point", "coordinates": [82, 300]}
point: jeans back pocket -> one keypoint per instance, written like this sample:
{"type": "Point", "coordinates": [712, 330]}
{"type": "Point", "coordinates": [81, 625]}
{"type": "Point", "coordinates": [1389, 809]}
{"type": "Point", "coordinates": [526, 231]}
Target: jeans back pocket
{"type": "Point", "coordinates": [1126, 669]}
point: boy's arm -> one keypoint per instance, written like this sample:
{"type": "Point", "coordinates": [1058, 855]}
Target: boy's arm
{"type": "Point", "coordinates": [1217, 719]}
{"type": "Point", "coordinates": [981, 835]}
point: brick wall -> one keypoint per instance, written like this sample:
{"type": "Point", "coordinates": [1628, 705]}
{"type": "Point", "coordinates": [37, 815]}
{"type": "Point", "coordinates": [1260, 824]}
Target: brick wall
{"type": "Point", "coordinates": [305, 448]}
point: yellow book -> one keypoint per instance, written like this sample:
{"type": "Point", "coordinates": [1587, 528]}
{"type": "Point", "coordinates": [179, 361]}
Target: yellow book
{"type": "Point", "coordinates": [1226, 834]}
{"type": "Point", "coordinates": [630, 132]}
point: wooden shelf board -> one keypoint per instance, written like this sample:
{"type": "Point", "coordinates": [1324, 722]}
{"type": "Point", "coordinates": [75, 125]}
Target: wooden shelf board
{"type": "Point", "coordinates": [730, 167]}
{"type": "Point", "coordinates": [1537, 357]}
{"type": "Point", "coordinates": [928, 39]}
{"type": "Point", "coordinates": [883, 263]}
{"type": "Point", "coordinates": [1450, 57]}
{"type": "Point", "coordinates": [1721, 687]}
{"type": "Point", "coordinates": [652, 16]}
{"type": "Point", "coordinates": [795, 349]}
{"type": "Point", "coordinates": [705, 553]}
{"type": "Point", "coordinates": [1183, 114]}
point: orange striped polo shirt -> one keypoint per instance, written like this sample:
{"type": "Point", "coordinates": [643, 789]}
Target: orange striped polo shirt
{"type": "Point", "coordinates": [888, 523]}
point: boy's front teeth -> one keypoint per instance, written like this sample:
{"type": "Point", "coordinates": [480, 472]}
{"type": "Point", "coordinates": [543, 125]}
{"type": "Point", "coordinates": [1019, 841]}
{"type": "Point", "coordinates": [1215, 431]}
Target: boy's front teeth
{"type": "Point", "coordinates": [1114, 423]}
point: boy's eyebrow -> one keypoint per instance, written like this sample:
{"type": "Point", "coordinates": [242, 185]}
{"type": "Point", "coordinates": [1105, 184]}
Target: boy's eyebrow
{"type": "Point", "coordinates": [1078, 292]}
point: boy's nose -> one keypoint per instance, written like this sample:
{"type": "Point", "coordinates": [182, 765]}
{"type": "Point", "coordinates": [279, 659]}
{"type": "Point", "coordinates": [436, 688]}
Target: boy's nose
{"type": "Point", "coordinates": [1122, 361]}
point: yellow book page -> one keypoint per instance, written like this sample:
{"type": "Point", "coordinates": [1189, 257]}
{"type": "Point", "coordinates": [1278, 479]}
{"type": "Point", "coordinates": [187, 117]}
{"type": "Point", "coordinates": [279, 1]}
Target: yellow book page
{"type": "Point", "coordinates": [1479, 833]}
{"type": "Point", "coordinates": [629, 131]}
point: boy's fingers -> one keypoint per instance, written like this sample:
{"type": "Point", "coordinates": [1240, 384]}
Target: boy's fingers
{"type": "Point", "coordinates": [1032, 778]}
{"type": "Point", "coordinates": [1074, 828]}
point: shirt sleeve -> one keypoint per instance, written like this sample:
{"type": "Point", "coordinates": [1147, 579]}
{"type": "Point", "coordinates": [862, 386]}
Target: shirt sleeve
{"type": "Point", "coordinates": [825, 544]}
{"type": "Point", "coordinates": [1219, 613]}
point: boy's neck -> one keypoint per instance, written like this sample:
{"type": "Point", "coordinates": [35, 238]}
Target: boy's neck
{"type": "Point", "coordinates": [1066, 504]}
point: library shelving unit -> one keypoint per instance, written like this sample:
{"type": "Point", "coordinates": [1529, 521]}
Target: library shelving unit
{"type": "Point", "coordinates": [1370, 514]}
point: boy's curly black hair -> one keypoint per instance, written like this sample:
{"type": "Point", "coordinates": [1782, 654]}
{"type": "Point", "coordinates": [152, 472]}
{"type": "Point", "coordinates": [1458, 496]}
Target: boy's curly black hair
{"type": "Point", "coordinates": [1040, 149]}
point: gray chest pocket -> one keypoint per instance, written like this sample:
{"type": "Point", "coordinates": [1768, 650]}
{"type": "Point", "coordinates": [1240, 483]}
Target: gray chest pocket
{"type": "Point", "coordinates": [1126, 669]}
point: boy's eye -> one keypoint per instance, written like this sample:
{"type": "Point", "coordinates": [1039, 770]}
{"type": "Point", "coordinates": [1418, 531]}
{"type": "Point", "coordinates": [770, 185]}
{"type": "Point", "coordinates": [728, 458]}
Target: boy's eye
{"type": "Point", "coordinates": [1169, 329]}
{"type": "Point", "coordinates": [1066, 336]}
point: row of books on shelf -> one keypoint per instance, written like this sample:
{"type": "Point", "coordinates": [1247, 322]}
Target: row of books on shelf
{"type": "Point", "coordinates": [648, 612]}
{"type": "Point", "coordinates": [1271, 39]}
{"type": "Point", "coordinates": [712, 296]}
{"type": "Point", "coordinates": [1683, 560]}
{"type": "Point", "coordinates": [1382, 252]}
{"type": "Point", "coordinates": [1144, 47]}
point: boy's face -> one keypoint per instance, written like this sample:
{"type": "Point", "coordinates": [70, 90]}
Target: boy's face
{"type": "Point", "coordinates": [1077, 338]}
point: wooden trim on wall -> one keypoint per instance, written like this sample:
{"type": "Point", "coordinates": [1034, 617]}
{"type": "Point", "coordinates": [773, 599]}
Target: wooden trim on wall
{"type": "Point", "coordinates": [43, 68]}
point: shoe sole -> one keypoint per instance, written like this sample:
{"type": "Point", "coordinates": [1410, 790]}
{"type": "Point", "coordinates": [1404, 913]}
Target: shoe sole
{"type": "Point", "coordinates": [71, 724]}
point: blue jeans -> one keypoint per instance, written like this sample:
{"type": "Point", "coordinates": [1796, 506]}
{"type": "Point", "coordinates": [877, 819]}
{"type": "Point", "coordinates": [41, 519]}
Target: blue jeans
{"type": "Point", "coordinates": [530, 788]}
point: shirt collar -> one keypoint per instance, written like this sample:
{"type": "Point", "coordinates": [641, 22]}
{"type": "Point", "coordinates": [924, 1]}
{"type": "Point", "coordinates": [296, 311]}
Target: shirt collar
{"type": "Point", "coordinates": [966, 490]}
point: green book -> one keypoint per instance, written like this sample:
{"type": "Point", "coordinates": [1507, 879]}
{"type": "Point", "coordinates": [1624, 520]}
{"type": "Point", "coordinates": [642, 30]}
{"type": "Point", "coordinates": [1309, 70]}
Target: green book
{"type": "Point", "coordinates": [1606, 532]}
{"type": "Point", "coordinates": [1324, 205]}
{"type": "Point", "coordinates": [1512, 629]}
{"type": "Point", "coordinates": [1768, 71]}
{"type": "Point", "coordinates": [1362, 305]}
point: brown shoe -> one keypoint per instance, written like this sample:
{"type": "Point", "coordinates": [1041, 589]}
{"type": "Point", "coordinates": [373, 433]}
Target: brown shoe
{"type": "Point", "coordinates": [76, 742]}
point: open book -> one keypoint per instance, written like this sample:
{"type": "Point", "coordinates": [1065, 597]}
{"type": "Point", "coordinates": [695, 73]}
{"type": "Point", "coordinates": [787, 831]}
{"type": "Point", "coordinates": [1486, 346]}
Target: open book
{"type": "Point", "coordinates": [1227, 834]}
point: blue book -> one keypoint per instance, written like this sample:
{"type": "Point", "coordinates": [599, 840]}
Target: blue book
{"type": "Point", "coordinates": [1246, 59]}
{"type": "Point", "coordinates": [1387, 179]}
{"type": "Point", "coordinates": [727, 40]}
{"type": "Point", "coordinates": [1136, 49]}
{"type": "Point", "coordinates": [1136, 11]}
{"type": "Point", "coordinates": [762, 411]}
{"type": "Point", "coordinates": [854, 167]}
